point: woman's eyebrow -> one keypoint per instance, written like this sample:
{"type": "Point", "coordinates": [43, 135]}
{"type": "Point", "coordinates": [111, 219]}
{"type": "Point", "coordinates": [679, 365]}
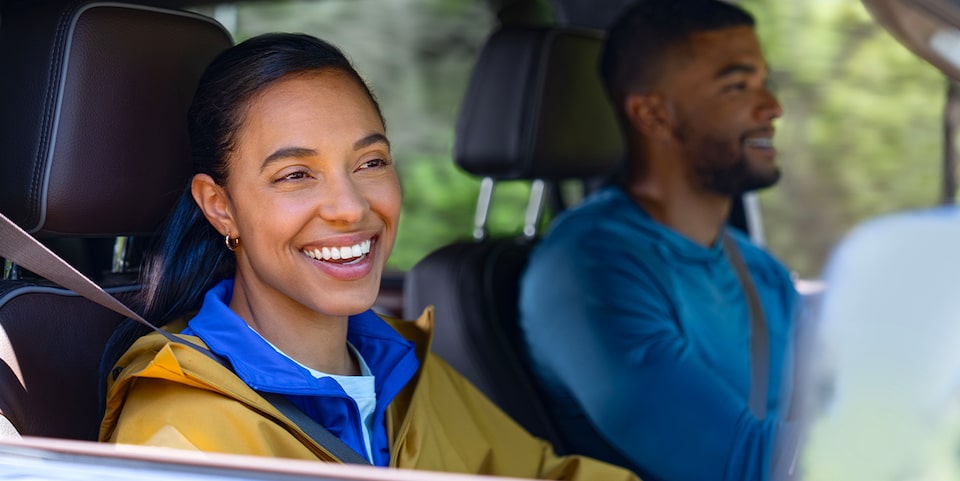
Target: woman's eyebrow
{"type": "Point", "coordinates": [370, 140]}
{"type": "Point", "coordinates": [287, 152]}
{"type": "Point", "coordinates": [298, 152]}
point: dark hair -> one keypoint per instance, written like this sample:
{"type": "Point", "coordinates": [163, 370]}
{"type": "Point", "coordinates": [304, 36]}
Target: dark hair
{"type": "Point", "coordinates": [189, 255]}
{"type": "Point", "coordinates": [641, 37]}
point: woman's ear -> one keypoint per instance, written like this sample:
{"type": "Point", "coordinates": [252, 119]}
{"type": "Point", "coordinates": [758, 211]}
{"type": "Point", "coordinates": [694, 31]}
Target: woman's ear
{"type": "Point", "coordinates": [648, 115]}
{"type": "Point", "coordinates": [214, 203]}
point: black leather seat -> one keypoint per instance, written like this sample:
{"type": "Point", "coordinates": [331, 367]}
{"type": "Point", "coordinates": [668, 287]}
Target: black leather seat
{"type": "Point", "coordinates": [535, 109]}
{"type": "Point", "coordinates": [94, 145]}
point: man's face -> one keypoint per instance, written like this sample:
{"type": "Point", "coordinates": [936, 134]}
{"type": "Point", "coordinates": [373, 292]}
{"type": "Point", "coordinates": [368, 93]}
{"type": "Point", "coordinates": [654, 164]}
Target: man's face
{"type": "Point", "coordinates": [721, 111]}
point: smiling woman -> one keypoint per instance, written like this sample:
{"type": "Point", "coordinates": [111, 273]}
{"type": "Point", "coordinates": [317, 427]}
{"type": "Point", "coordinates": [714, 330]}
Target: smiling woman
{"type": "Point", "coordinates": [333, 180]}
{"type": "Point", "coordinates": [279, 244]}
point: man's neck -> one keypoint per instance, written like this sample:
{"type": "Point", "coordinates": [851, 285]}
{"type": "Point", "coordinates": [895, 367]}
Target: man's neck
{"type": "Point", "coordinates": [696, 215]}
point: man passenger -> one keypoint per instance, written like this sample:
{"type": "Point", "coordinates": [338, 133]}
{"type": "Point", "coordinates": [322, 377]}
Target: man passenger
{"type": "Point", "coordinates": [638, 324]}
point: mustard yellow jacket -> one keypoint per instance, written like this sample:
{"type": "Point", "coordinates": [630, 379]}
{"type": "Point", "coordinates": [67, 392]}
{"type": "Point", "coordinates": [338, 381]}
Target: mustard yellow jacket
{"type": "Point", "coordinates": [171, 395]}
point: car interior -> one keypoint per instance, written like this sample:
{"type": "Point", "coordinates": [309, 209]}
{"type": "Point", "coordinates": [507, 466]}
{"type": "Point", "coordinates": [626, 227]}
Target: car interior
{"type": "Point", "coordinates": [95, 151]}
{"type": "Point", "coordinates": [94, 165]}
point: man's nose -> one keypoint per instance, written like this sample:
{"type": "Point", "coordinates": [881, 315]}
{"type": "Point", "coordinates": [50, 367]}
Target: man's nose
{"type": "Point", "coordinates": [769, 107]}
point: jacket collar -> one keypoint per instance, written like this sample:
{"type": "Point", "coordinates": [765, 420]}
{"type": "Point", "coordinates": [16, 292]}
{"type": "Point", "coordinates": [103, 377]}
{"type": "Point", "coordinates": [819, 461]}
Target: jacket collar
{"type": "Point", "coordinates": [391, 357]}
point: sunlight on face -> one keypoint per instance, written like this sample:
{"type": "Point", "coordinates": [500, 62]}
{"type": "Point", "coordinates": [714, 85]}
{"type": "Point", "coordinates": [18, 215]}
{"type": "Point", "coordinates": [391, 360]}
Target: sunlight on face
{"type": "Point", "coordinates": [314, 196]}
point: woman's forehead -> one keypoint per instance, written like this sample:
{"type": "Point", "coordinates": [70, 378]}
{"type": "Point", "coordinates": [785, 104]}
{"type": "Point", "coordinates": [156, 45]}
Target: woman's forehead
{"type": "Point", "coordinates": [316, 110]}
{"type": "Point", "coordinates": [327, 97]}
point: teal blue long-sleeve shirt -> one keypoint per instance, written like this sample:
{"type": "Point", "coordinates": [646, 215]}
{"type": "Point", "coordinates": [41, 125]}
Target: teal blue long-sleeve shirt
{"type": "Point", "coordinates": [641, 338]}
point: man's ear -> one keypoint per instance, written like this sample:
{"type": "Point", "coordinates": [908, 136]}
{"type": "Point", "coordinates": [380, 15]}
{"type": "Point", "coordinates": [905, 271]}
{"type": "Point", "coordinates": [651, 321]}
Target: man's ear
{"type": "Point", "coordinates": [648, 115]}
{"type": "Point", "coordinates": [214, 203]}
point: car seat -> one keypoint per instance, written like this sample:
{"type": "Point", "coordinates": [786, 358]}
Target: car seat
{"type": "Point", "coordinates": [95, 145]}
{"type": "Point", "coordinates": [534, 109]}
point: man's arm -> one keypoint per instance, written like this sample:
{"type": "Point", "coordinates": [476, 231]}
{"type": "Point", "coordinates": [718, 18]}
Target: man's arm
{"type": "Point", "coordinates": [604, 326]}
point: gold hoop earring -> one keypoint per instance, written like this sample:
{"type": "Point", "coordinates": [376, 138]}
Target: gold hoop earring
{"type": "Point", "coordinates": [233, 243]}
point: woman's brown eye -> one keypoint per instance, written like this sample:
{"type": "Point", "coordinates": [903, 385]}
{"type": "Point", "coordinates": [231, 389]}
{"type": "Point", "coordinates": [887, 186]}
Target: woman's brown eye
{"type": "Point", "coordinates": [292, 176]}
{"type": "Point", "coordinates": [374, 163]}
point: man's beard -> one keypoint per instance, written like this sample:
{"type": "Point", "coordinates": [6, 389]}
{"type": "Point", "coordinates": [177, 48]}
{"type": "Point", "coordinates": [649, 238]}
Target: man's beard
{"type": "Point", "coordinates": [717, 166]}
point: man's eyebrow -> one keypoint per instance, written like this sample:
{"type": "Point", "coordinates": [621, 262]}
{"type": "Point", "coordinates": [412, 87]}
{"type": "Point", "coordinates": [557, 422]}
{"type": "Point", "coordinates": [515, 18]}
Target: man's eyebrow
{"type": "Point", "coordinates": [736, 68]}
{"type": "Point", "coordinates": [370, 140]}
{"type": "Point", "coordinates": [287, 152]}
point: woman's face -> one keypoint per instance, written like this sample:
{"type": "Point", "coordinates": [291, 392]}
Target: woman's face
{"type": "Point", "coordinates": [312, 194]}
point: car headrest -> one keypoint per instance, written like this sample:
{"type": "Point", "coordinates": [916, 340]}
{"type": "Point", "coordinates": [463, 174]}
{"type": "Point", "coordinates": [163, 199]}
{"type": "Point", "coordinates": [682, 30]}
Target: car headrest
{"type": "Point", "coordinates": [94, 131]}
{"type": "Point", "coordinates": [535, 108]}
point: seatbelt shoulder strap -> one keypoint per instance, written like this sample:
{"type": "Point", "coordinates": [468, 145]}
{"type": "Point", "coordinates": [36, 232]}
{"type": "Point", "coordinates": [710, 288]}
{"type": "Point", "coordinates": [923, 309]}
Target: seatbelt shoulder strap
{"type": "Point", "coordinates": [759, 335]}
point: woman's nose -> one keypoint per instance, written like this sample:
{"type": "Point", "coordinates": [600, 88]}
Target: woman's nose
{"type": "Point", "coordinates": [341, 201]}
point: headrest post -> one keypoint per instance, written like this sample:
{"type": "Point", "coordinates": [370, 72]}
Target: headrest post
{"type": "Point", "coordinates": [483, 209]}
{"type": "Point", "coordinates": [121, 254]}
{"type": "Point", "coordinates": [534, 208]}
{"type": "Point", "coordinates": [11, 271]}
{"type": "Point", "coordinates": [751, 206]}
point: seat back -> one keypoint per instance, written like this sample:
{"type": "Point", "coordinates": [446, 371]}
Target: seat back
{"type": "Point", "coordinates": [94, 144]}
{"type": "Point", "coordinates": [535, 109]}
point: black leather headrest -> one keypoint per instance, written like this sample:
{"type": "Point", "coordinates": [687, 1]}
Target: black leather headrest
{"type": "Point", "coordinates": [93, 140]}
{"type": "Point", "coordinates": [536, 108]}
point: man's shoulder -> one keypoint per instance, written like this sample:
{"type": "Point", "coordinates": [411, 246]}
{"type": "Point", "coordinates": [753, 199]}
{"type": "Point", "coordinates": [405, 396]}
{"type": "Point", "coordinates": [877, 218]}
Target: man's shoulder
{"type": "Point", "coordinates": [603, 215]}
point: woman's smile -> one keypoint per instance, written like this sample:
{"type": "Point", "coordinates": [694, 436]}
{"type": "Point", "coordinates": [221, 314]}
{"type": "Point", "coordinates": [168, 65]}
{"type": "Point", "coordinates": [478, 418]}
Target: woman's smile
{"type": "Point", "coordinates": [346, 262]}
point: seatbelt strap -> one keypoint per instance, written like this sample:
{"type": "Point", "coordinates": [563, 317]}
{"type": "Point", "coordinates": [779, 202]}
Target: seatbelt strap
{"type": "Point", "coordinates": [759, 335]}
{"type": "Point", "coordinates": [22, 249]}
{"type": "Point", "coordinates": [315, 430]}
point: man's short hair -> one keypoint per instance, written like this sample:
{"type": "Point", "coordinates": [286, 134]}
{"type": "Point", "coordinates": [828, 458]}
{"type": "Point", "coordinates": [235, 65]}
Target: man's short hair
{"type": "Point", "coordinates": [643, 34]}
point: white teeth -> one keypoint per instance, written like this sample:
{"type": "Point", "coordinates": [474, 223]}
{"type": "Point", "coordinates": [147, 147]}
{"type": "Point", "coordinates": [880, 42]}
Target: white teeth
{"type": "Point", "coordinates": [762, 142]}
{"type": "Point", "coordinates": [338, 253]}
